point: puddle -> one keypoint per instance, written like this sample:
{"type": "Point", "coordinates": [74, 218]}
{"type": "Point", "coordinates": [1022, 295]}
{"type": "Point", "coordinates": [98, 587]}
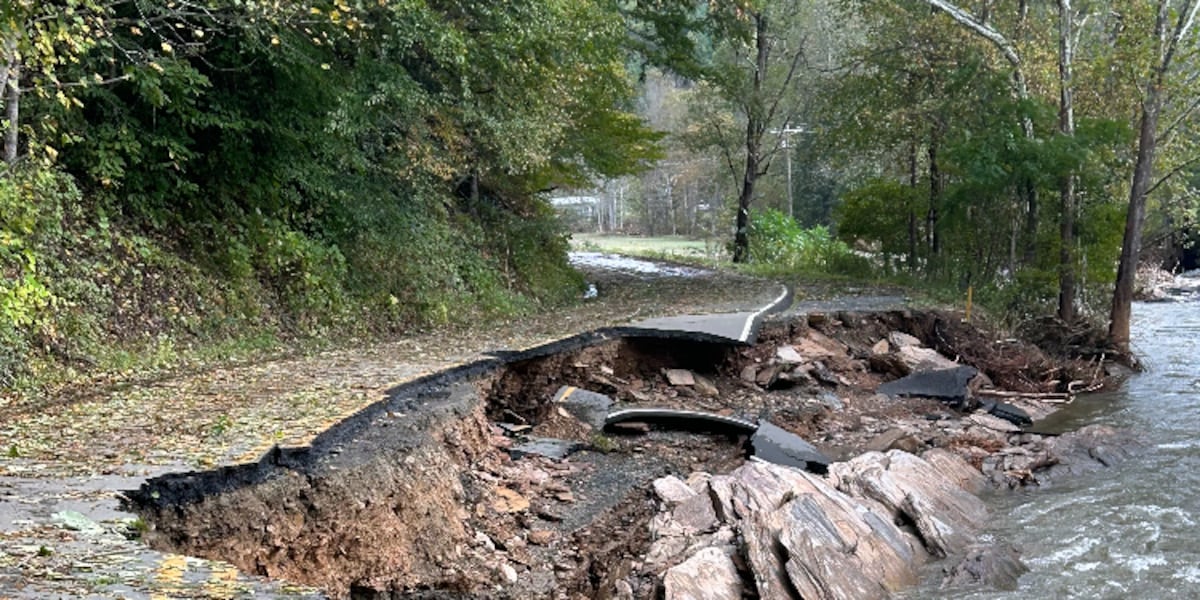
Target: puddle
{"type": "Point", "coordinates": [616, 262]}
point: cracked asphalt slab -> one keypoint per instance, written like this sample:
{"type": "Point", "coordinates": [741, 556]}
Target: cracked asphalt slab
{"type": "Point", "coordinates": [68, 455]}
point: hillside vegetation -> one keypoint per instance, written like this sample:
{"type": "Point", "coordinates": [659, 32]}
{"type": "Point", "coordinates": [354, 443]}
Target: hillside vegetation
{"type": "Point", "coordinates": [229, 174]}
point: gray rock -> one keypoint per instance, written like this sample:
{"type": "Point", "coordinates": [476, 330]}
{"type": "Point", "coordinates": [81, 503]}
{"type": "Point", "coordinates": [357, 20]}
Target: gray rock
{"type": "Point", "coordinates": [1088, 449]}
{"type": "Point", "coordinates": [761, 531]}
{"type": "Point", "coordinates": [884, 441]}
{"type": "Point", "coordinates": [955, 469]}
{"type": "Point", "coordinates": [695, 514]}
{"type": "Point", "coordinates": [834, 537]}
{"type": "Point", "coordinates": [916, 360]}
{"type": "Point", "coordinates": [623, 591]}
{"type": "Point", "coordinates": [942, 384]}
{"type": "Point", "coordinates": [822, 374]}
{"type": "Point", "coordinates": [705, 387]}
{"type": "Point", "coordinates": [993, 423]}
{"type": "Point", "coordinates": [909, 443]}
{"type": "Point", "coordinates": [589, 407]}
{"type": "Point", "coordinates": [672, 490]}
{"type": "Point", "coordinates": [998, 566]}
{"type": "Point", "coordinates": [749, 374]}
{"type": "Point", "coordinates": [680, 377]}
{"type": "Point", "coordinates": [774, 444]}
{"type": "Point", "coordinates": [900, 339]}
{"type": "Point", "coordinates": [912, 490]}
{"type": "Point", "coordinates": [769, 375]}
{"type": "Point", "coordinates": [831, 400]}
{"type": "Point", "coordinates": [708, 575]}
{"type": "Point", "coordinates": [549, 447]}
{"type": "Point", "coordinates": [801, 534]}
{"type": "Point", "coordinates": [788, 355]}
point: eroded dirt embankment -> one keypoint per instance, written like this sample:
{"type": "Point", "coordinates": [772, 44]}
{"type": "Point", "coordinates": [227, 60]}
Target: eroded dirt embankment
{"type": "Point", "coordinates": [421, 494]}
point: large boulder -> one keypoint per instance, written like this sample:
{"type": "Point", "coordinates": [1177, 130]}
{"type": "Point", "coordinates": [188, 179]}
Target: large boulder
{"type": "Point", "coordinates": [842, 536]}
{"type": "Point", "coordinates": [801, 533]}
{"type": "Point", "coordinates": [912, 490]}
{"type": "Point", "coordinates": [996, 565]}
{"type": "Point", "coordinates": [1088, 449]}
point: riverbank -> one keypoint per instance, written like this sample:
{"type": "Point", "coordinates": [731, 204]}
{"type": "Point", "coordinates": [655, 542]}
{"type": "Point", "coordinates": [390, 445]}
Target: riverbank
{"type": "Point", "coordinates": [1128, 530]}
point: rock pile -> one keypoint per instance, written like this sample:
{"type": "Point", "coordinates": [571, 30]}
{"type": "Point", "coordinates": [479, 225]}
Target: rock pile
{"type": "Point", "coordinates": [796, 533]}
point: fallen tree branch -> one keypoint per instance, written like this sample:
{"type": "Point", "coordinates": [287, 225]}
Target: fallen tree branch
{"type": "Point", "coordinates": [1030, 395]}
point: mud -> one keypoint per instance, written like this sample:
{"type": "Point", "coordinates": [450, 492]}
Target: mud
{"type": "Point", "coordinates": [417, 496]}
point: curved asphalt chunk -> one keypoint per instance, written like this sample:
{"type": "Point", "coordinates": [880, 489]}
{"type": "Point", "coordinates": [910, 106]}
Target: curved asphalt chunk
{"type": "Point", "coordinates": [739, 327]}
{"type": "Point", "coordinates": [768, 441]}
{"type": "Point", "coordinates": [948, 385]}
{"type": "Point", "coordinates": [685, 419]}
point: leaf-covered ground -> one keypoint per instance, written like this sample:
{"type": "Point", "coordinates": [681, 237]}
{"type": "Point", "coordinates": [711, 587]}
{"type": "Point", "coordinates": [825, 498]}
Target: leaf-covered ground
{"type": "Point", "coordinates": [64, 457]}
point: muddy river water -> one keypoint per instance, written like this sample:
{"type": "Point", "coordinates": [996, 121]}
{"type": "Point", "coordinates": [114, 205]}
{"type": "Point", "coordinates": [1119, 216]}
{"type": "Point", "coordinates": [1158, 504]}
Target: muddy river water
{"type": "Point", "coordinates": [1130, 531]}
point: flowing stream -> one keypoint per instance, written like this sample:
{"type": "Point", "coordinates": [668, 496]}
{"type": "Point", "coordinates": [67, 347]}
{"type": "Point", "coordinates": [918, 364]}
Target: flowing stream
{"type": "Point", "coordinates": [1128, 531]}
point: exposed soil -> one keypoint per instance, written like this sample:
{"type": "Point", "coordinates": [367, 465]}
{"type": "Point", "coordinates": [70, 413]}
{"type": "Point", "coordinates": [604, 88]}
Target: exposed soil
{"type": "Point", "coordinates": [418, 496]}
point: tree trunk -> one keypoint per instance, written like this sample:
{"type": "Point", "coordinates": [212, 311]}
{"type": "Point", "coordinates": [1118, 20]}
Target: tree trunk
{"type": "Point", "coordinates": [741, 240]}
{"type": "Point", "coordinates": [1029, 195]}
{"type": "Point", "coordinates": [1066, 124]}
{"type": "Point", "coordinates": [1028, 190]}
{"type": "Point", "coordinates": [12, 102]}
{"type": "Point", "coordinates": [912, 212]}
{"type": "Point", "coordinates": [1131, 246]}
{"type": "Point", "coordinates": [755, 128]}
{"type": "Point", "coordinates": [935, 195]}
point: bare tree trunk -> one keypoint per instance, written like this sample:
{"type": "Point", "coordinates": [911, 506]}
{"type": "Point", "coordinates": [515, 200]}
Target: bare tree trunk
{"type": "Point", "coordinates": [935, 195]}
{"type": "Point", "coordinates": [755, 128]}
{"type": "Point", "coordinates": [741, 239]}
{"type": "Point", "coordinates": [1029, 196]}
{"type": "Point", "coordinates": [1122, 304]}
{"type": "Point", "coordinates": [1131, 245]}
{"type": "Point", "coordinates": [912, 212]}
{"type": "Point", "coordinates": [12, 101]}
{"type": "Point", "coordinates": [1066, 124]}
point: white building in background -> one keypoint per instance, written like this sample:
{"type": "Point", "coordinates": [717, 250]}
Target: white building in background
{"type": "Point", "coordinates": [584, 206]}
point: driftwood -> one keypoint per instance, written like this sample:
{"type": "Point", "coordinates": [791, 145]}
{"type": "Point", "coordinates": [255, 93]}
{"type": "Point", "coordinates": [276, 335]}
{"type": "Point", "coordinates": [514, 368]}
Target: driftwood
{"type": "Point", "coordinates": [1030, 395]}
{"type": "Point", "coordinates": [1047, 397]}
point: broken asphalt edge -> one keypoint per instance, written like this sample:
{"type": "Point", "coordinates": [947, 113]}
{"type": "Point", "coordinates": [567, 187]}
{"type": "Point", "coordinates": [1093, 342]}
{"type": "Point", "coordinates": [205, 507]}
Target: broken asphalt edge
{"type": "Point", "coordinates": [432, 391]}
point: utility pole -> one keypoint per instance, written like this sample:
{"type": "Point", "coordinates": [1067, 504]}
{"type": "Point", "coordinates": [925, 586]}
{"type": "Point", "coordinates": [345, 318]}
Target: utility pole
{"type": "Point", "coordinates": [787, 132]}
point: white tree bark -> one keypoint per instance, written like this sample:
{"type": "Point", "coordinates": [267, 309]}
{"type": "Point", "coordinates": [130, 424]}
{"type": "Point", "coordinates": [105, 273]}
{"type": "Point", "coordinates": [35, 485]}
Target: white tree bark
{"type": "Point", "coordinates": [1006, 48]}
{"type": "Point", "coordinates": [12, 100]}
{"type": "Point", "coordinates": [1066, 125]}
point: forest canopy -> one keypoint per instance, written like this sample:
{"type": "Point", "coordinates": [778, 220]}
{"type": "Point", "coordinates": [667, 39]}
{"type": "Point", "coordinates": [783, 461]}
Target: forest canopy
{"type": "Point", "coordinates": [192, 171]}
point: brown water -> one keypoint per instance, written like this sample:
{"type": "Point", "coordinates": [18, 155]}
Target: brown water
{"type": "Point", "coordinates": [1129, 531]}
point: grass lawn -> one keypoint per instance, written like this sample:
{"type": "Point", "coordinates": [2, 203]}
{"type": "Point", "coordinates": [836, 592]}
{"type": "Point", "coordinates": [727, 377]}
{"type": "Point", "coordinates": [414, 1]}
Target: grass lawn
{"type": "Point", "coordinates": [654, 246]}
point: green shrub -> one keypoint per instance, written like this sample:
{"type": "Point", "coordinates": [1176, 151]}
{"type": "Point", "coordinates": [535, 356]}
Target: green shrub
{"type": "Point", "coordinates": [778, 241]}
{"type": "Point", "coordinates": [31, 203]}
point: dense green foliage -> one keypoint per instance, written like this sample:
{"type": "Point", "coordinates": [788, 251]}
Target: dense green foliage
{"type": "Point", "coordinates": [198, 172]}
{"type": "Point", "coordinates": [778, 243]}
{"type": "Point", "coordinates": [312, 169]}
